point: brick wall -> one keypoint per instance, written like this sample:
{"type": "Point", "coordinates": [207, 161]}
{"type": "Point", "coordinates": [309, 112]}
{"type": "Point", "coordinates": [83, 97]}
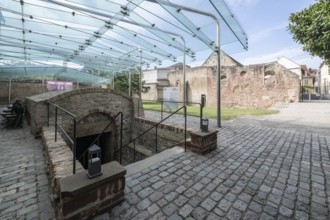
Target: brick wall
{"type": "Point", "coordinates": [168, 135]}
{"type": "Point", "coordinates": [81, 101]}
{"type": "Point", "coordinates": [22, 89]}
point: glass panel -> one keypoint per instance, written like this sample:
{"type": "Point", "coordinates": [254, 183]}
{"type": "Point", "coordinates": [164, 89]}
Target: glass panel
{"type": "Point", "coordinates": [186, 22]}
{"type": "Point", "coordinates": [229, 18]}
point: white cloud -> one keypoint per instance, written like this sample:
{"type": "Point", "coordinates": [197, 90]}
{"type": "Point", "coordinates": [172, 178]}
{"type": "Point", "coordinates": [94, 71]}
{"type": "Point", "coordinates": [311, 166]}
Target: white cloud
{"type": "Point", "coordinates": [267, 32]}
{"type": "Point", "coordinates": [242, 3]}
{"type": "Point", "coordinates": [296, 54]}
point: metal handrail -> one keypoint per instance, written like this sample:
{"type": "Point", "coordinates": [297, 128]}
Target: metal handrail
{"type": "Point", "coordinates": [162, 107]}
{"type": "Point", "coordinates": [73, 140]}
{"type": "Point", "coordinates": [106, 127]}
{"type": "Point", "coordinates": [156, 125]}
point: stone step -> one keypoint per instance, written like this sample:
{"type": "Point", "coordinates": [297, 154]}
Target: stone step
{"type": "Point", "coordinates": [155, 159]}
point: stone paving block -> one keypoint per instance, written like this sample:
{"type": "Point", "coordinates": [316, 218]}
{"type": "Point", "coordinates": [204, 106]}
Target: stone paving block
{"type": "Point", "coordinates": [240, 205]}
{"type": "Point", "coordinates": [199, 213]}
{"type": "Point", "coordinates": [285, 211]}
{"type": "Point", "coordinates": [224, 204]}
{"type": "Point", "coordinates": [234, 214]}
{"type": "Point", "coordinates": [143, 204]}
{"type": "Point", "coordinates": [208, 204]}
{"type": "Point", "coordinates": [169, 209]}
{"type": "Point", "coordinates": [186, 210]}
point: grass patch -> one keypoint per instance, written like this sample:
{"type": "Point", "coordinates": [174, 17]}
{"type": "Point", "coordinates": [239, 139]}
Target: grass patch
{"type": "Point", "coordinates": [211, 112]}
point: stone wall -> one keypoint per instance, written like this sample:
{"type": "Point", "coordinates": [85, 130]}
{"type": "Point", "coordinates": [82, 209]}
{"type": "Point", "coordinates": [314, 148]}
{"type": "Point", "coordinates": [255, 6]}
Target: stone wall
{"type": "Point", "coordinates": [81, 198]}
{"type": "Point", "coordinates": [255, 86]}
{"type": "Point", "coordinates": [22, 89]}
{"type": "Point", "coordinates": [168, 135]}
{"type": "Point", "coordinates": [81, 102]}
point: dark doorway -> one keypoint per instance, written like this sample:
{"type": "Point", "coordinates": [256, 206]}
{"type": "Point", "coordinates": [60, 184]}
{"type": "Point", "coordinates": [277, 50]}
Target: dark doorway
{"type": "Point", "coordinates": [84, 142]}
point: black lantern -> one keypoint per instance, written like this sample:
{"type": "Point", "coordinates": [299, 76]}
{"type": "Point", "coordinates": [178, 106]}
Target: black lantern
{"type": "Point", "coordinates": [94, 161]}
{"type": "Point", "coordinates": [205, 125]}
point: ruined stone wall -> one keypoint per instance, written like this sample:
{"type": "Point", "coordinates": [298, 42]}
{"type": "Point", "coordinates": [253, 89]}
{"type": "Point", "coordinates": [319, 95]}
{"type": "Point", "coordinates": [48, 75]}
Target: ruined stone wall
{"type": "Point", "coordinates": [197, 79]}
{"type": "Point", "coordinates": [22, 89]}
{"type": "Point", "coordinates": [257, 86]}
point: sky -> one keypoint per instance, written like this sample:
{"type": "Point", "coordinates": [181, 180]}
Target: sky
{"type": "Point", "coordinates": [265, 22]}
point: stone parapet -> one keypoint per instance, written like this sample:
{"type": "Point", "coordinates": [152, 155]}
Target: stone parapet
{"type": "Point", "coordinates": [203, 142]}
{"type": "Point", "coordinates": [59, 159]}
{"type": "Point", "coordinates": [82, 197]}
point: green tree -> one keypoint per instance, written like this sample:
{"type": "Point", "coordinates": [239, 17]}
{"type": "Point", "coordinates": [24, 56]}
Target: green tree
{"type": "Point", "coordinates": [311, 28]}
{"type": "Point", "coordinates": [122, 82]}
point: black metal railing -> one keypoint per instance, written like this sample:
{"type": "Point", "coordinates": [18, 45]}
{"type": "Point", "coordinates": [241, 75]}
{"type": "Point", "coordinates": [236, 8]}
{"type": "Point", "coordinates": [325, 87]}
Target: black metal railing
{"type": "Point", "coordinates": [83, 155]}
{"type": "Point", "coordinates": [156, 134]}
{"type": "Point", "coordinates": [162, 110]}
{"type": "Point", "coordinates": [72, 140]}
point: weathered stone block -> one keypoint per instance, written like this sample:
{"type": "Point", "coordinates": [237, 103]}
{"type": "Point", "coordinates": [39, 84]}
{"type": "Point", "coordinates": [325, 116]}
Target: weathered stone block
{"type": "Point", "coordinates": [203, 142]}
{"type": "Point", "coordinates": [81, 197]}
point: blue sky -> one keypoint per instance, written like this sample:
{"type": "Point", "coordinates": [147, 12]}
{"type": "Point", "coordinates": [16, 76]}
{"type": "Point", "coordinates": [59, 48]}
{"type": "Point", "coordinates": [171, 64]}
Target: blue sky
{"type": "Point", "coordinates": [265, 22]}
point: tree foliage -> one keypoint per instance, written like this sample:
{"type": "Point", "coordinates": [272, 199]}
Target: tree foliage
{"type": "Point", "coordinates": [311, 28]}
{"type": "Point", "coordinates": [122, 82]}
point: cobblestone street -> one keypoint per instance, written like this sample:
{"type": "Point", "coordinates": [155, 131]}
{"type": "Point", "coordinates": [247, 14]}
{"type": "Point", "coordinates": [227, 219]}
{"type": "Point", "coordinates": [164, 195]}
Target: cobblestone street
{"type": "Point", "coordinates": [24, 186]}
{"type": "Point", "coordinates": [272, 167]}
{"type": "Point", "coordinates": [263, 168]}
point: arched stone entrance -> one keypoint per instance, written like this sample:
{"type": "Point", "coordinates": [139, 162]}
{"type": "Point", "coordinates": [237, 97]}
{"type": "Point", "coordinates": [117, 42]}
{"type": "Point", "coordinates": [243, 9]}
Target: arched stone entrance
{"type": "Point", "coordinates": [90, 126]}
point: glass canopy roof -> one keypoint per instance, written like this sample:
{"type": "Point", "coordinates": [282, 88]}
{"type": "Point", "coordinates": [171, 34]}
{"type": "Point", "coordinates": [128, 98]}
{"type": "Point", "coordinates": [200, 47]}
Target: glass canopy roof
{"type": "Point", "coordinates": [91, 41]}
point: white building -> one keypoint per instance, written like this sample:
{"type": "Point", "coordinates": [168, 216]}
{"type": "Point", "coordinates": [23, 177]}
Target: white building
{"type": "Point", "coordinates": [290, 65]}
{"type": "Point", "coordinates": [325, 79]}
{"type": "Point", "coordinates": [154, 81]}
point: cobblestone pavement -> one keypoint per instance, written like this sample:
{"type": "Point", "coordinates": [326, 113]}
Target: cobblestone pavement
{"type": "Point", "coordinates": [258, 171]}
{"type": "Point", "coordinates": [24, 186]}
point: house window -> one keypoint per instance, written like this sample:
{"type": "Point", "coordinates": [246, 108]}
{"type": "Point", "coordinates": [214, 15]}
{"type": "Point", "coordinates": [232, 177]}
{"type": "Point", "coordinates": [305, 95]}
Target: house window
{"type": "Point", "coordinates": [306, 82]}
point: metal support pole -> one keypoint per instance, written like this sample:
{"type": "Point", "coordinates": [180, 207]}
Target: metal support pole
{"type": "Point", "coordinates": [185, 128]}
{"type": "Point", "coordinates": [140, 79]}
{"type": "Point", "coordinates": [121, 138]}
{"type": "Point", "coordinates": [48, 114]}
{"type": "Point", "coordinates": [129, 83]}
{"type": "Point", "coordinates": [218, 78]}
{"type": "Point", "coordinates": [134, 151]}
{"type": "Point", "coordinates": [156, 139]}
{"type": "Point", "coordinates": [201, 116]}
{"type": "Point", "coordinates": [161, 109]}
{"type": "Point", "coordinates": [184, 72]}
{"type": "Point", "coordinates": [9, 91]}
{"type": "Point", "coordinates": [74, 145]}
{"type": "Point", "coordinates": [55, 124]}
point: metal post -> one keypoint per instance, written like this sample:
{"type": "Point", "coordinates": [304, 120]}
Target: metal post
{"type": "Point", "coordinates": [134, 150]}
{"type": "Point", "coordinates": [74, 145]}
{"type": "Point", "coordinates": [218, 78]}
{"type": "Point", "coordinates": [156, 139]}
{"type": "Point", "coordinates": [121, 137]}
{"type": "Point", "coordinates": [129, 83]}
{"type": "Point", "coordinates": [48, 114]}
{"type": "Point", "coordinates": [184, 72]}
{"type": "Point", "coordinates": [161, 109]}
{"type": "Point", "coordinates": [201, 116]}
{"type": "Point", "coordinates": [140, 79]}
{"type": "Point", "coordinates": [185, 128]}
{"type": "Point", "coordinates": [218, 51]}
{"type": "Point", "coordinates": [55, 123]}
{"type": "Point", "coordinates": [113, 81]}
{"type": "Point", "coordinates": [9, 91]}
